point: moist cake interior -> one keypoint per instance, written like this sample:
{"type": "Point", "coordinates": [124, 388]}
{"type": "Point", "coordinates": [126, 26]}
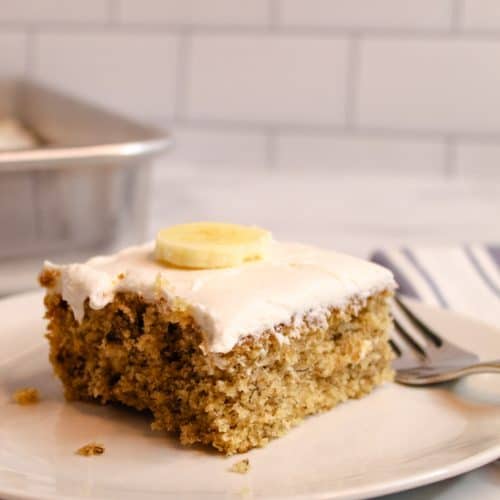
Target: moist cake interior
{"type": "Point", "coordinates": [152, 355]}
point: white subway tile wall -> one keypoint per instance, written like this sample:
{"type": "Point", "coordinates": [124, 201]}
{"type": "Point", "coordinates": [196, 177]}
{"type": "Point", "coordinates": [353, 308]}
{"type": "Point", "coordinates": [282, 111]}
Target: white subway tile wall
{"type": "Point", "coordinates": [392, 85]}
{"type": "Point", "coordinates": [196, 12]}
{"type": "Point", "coordinates": [362, 153]}
{"type": "Point", "coordinates": [56, 11]}
{"type": "Point", "coordinates": [133, 73]}
{"type": "Point", "coordinates": [219, 146]}
{"type": "Point", "coordinates": [364, 14]}
{"type": "Point", "coordinates": [267, 78]}
{"type": "Point", "coordinates": [447, 86]}
{"type": "Point", "coordinates": [481, 14]}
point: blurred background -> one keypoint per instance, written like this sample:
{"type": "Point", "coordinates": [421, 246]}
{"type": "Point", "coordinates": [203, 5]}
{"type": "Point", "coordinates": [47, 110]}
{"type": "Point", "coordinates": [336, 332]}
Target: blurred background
{"type": "Point", "coordinates": [352, 124]}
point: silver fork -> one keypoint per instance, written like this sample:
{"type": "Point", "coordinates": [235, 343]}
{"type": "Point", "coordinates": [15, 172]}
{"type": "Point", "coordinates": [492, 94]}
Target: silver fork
{"type": "Point", "coordinates": [430, 359]}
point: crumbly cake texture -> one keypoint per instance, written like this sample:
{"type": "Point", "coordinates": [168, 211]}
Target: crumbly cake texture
{"type": "Point", "coordinates": [150, 355]}
{"type": "Point", "coordinates": [26, 396]}
{"type": "Point", "coordinates": [91, 449]}
{"type": "Point", "coordinates": [241, 467]}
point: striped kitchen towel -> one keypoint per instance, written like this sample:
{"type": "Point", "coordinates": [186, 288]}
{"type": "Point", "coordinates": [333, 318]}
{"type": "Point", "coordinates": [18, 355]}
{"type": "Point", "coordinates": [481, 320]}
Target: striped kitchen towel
{"type": "Point", "coordinates": [463, 278]}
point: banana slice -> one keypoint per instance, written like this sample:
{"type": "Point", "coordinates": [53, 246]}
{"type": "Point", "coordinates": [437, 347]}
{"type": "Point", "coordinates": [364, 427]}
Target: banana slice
{"type": "Point", "coordinates": [209, 245]}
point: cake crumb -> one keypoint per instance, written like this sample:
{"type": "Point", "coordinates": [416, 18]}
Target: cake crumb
{"type": "Point", "coordinates": [241, 467]}
{"type": "Point", "coordinates": [26, 396]}
{"type": "Point", "coordinates": [245, 492]}
{"type": "Point", "coordinates": [90, 450]}
{"type": "Point", "coordinates": [121, 276]}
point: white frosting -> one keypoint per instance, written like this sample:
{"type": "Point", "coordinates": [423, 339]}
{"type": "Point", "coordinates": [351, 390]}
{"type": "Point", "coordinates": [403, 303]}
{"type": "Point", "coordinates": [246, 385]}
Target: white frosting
{"type": "Point", "coordinates": [296, 282]}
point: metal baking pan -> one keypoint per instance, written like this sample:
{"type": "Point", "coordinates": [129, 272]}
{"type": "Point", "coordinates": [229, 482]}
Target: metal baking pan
{"type": "Point", "coordinates": [82, 192]}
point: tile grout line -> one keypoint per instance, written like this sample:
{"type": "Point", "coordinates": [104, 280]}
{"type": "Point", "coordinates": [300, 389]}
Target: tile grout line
{"type": "Point", "coordinates": [352, 81]}
{"type": "Point", "coordinates": [243, 30]}
{"type": "Point", "coordinates": [181, 78]}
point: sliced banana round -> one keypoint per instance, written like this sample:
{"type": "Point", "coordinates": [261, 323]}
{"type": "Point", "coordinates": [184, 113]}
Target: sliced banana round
{"type": "Point", "coordinates": [209, 245]}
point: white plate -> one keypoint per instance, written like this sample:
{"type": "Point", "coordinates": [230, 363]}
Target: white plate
{"type": "Point", "coordinates": [394, 439]}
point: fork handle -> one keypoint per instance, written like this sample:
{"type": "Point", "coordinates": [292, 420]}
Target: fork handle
{"type": "Point", "coordinates": [436, 375]}
{"type": "Point", "coordinates": [485, 367]}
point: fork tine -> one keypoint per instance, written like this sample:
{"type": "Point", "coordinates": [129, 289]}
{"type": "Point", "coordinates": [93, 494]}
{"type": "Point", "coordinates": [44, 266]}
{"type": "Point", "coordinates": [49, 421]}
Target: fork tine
{"type": "Point", "coordinates": [409, 340]}
{"type": "Point", "coordinates": [437, 349]}
{"type": "Point", "coordinates": [422, 327]}
{"type": "Point", "coordinates": [422, 356]}
{"type": "Point", "coordinates": [395, 348]}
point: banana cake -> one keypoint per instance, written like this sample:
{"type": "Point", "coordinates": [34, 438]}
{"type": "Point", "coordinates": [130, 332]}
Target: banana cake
{"type": "Point", "coordinates": [226, 336]}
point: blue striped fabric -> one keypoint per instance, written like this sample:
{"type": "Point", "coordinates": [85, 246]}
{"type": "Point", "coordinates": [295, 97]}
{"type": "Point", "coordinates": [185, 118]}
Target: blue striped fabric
{"type": "Point", "coordinates": [464, 278]}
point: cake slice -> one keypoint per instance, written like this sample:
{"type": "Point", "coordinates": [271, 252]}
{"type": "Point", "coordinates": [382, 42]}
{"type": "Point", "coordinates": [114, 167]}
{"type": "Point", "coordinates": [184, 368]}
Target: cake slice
{"type": "Point", "coordinates": [230, 356]}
